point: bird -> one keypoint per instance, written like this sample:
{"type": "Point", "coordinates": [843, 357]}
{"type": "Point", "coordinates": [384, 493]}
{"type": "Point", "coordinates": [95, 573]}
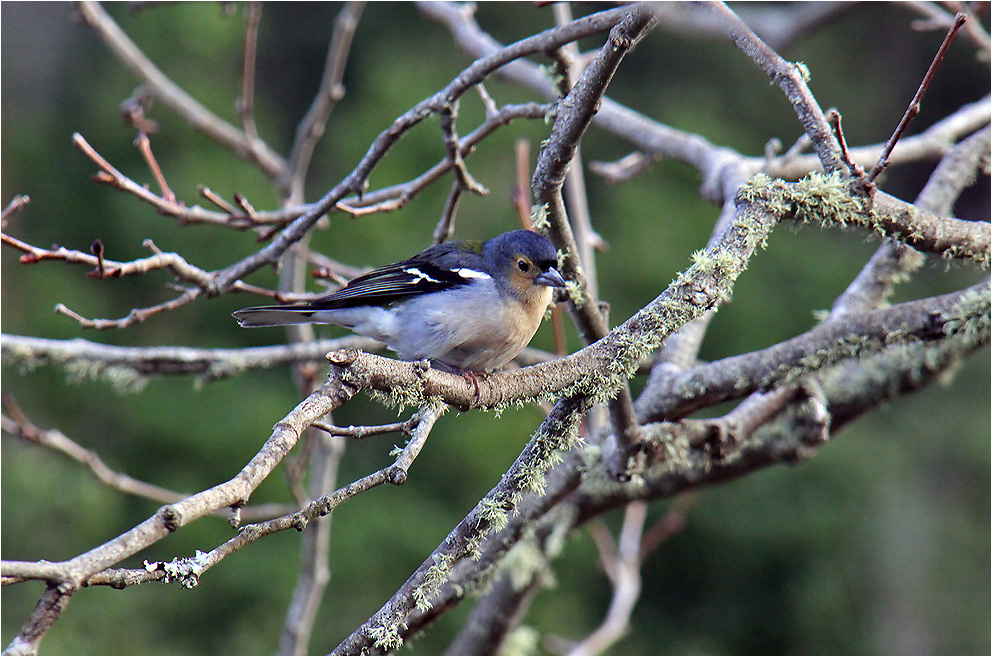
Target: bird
{"type": "Point", "coordinates": [468, 306]}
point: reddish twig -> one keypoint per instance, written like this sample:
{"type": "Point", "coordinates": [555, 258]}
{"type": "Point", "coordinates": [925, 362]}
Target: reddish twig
{"type": "Point", "coordinates": [833, 116]}
{"type": "Point", "coordinates": [521, 190]}
{"type": "Point", "coordinates": [16, 205]}
{"type": "Point", "coordinates": [212, 196]}
{"type": "Point", "coordinates": [145, 146]}
{"type": "Point", "coordinates": [110, 175]}
{"type": "Point", "coordinates": [914, 106]}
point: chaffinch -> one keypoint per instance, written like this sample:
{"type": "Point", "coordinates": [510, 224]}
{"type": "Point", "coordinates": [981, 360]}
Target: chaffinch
{"type": "Point", "coordinates": [469, 305]}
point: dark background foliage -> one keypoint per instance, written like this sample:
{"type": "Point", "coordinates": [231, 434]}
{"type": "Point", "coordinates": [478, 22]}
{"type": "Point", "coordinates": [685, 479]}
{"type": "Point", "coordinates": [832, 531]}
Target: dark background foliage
{"type": "Point", "coordinates": [878, 544]}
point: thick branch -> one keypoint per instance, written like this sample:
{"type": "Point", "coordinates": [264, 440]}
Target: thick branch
{"type": "Point", "coordinates": [857, 335]}
{"type": "Point", "coordinates": [598, 369]}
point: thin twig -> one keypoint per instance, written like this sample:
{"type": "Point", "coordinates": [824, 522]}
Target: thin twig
{"type": "Point", "coordinates": [246, 104]}
{"type": "Point", "coordinates": [396, 474]}
{"type": "Point", "coordinates": [626, 168]}
{"type": "Point", "coordinates": [625, 576]}
{"type": "Point", "coordinates": [16, 205]}
{"type": "Point", "coordinates": [365, 432]}
{"type": "Point", "coordinates": [835, 121]}
{"type": "Point", "coordinates": [446, 224]}
{"type": "Point", "coordinates": [357, 180]}
{"type": "Point", "coordinates": [330, 92]}
{"type": "Point", "coordinates": [111, 268]}
{"type": "Point", "coordinates": [209, 364]}
{"type": "Point", "coordinates": [110, 175]}
{"type": "Point", "coordinates": [395, 197]}
{"type": "Point", "coordinates": [145, 146]}
{"type": "Point", "coordinates": [174, 97]}
{"type": "Point", "coordinates": [234, 493]}
{"type": "Point", "coordinates": [136, 316]}
{"type": "Point", "coordinates": [17, 424]}
{"type": "Point", "coordinates": [914, 105]}
{"type": "Point", "coordinates": [449, 117]}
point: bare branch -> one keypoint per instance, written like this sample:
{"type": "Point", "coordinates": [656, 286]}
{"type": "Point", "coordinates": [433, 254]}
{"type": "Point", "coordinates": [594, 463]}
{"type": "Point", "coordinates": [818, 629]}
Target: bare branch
{"type": "Point", "coordinates": [235, 492]}
{"type": "Point", "coordinates": [573, 118]}
{"type": "Point", "coordinates": [167, 204]}
{"type": "Point", "coordinates": [246, 104]}
{"type": "Point", "coordinates": [825, 345]}
{"type": "Point", "coordinates": [127, 363]}
{"type": "Point", "coordinates": [626, 579]}
{"type": "Point", "coordinates": [16, 205]}
{"type": "Point", "coordinates": [355, 181]}
{"type": "Point", "coordinates": [894, 261]}
{"type": "Point", "coordinates": [914, 105]}
{"type": "Point", "coordinates": [191, 569]}
{"type": "Point", "coordinates": [49, 609]}
{"type": "Point", "coordinates": [330, 92]}
{"type": "Point", "coordinates": [145, 146]}
{"type": "Point", "coordinates": [789, 77]}
{"type": "Point", "coordinates": [384, 631]}
{"type": "Point", "coordinates": [175, 98]}
{"type": "Point", "coordinates": [397, 196]}
{"type": "Point", "coordinates": [18, 425]}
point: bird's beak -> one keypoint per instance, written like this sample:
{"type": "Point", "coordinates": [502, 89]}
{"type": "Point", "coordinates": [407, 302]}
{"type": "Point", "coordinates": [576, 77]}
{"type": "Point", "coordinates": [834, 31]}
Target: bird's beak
{"type": "Point", "coordinates": [551, 278]}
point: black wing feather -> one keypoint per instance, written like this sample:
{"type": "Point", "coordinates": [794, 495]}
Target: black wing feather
{"type": "Point", "coordinates": [415, 276]}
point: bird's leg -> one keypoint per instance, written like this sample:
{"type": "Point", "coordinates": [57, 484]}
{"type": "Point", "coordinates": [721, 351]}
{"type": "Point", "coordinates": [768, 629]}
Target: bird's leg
{"type": "Point", "coordinates": [468, 375]}
{"type": "Point", "coordinates": [474, 380]}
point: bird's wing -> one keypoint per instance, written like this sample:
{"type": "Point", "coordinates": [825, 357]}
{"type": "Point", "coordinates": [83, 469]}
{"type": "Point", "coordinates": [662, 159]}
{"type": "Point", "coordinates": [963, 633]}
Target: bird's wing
{"type": "Point", "coordinates": [432, 271]}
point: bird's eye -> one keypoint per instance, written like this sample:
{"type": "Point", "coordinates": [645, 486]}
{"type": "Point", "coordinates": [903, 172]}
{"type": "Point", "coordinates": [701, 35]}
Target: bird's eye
{"type": "Point", "coordinates": [523, 265]}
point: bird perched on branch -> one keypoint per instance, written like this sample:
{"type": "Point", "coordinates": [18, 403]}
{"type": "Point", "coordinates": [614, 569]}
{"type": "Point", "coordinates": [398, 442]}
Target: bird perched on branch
{"type": "Point", "coordinates": [469, 305]}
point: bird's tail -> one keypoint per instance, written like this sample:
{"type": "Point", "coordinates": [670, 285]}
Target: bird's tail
{"type": "Point", "coordinates": [274, 315]}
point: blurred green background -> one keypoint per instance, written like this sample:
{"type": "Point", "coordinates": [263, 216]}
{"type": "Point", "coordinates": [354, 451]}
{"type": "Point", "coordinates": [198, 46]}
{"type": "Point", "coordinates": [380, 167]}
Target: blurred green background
{"type": "Point", "coordinates": [880, 544]}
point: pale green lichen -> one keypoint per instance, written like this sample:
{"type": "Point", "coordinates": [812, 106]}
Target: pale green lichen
{"type": "Point", "coordinates": [400, 396]}
{"type": "Point", "coordinates": [525, 562]}
{"type": "Point", "coordinates": [970, 317]}
{"type": "Point", "coordinates": [826, 199]}
{"type": "Point", "coordinates": [576, 294]}
{"type": "Point", "coordinates": [523, 640]}
{"type": "Point", "coordinates": [123, 378]}
{"type": "Point", "coordinates": [539, 218]}
{"type": "Point", "coordinates": [850, 346]}
{"type": "Point", "coordinates": [823, 198]}
{"type": "Point", "coordinates": [754, 188]}
{"type": "Point", "coordinates": [495, 512]}
{"type": "Point", "coordinates": [554, 72]}
{"type": "Point", "coordinates": [386, 637]}
{"type": "Point", "coordinates": [436, 576]}
{"type": "Point", "coordinates": [956, 251]}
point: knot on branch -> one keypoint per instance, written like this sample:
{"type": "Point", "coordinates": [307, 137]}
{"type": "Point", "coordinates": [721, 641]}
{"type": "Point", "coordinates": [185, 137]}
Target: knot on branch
{"type": "Point", "coordinates": [396, 475]}
{"type": "Point", "coordinates": [171, 518]}
{"type": "Point", "coordinates": [343, 357]}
